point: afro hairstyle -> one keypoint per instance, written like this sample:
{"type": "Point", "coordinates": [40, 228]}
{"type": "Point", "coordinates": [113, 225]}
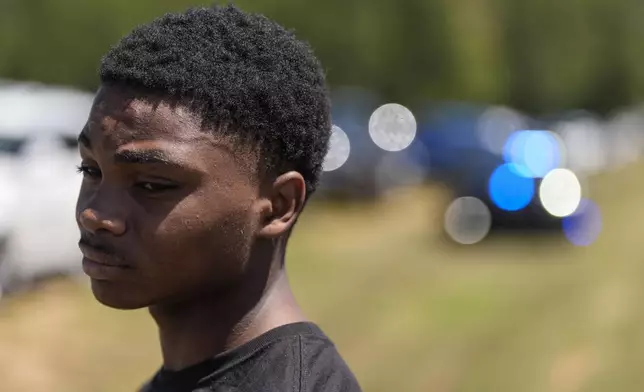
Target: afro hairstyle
{"type": "Point", "coordinates": [245, 76]}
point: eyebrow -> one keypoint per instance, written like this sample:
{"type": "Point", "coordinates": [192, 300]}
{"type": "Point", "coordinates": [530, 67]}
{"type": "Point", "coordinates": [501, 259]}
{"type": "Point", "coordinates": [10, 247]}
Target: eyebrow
{"type": "Point", "coordinates": [142, 157]}
{"type": "Point", "coordinates": [133, 157]}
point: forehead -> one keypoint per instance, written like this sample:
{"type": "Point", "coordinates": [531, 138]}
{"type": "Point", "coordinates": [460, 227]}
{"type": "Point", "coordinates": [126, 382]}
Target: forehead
{"type": "Point", "coordinates": [120, 115]}
{"type": "Point", "coordinates": [122, 119]}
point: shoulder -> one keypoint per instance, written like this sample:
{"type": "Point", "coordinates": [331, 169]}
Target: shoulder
{"type": "Point", "coordinates": [322, 367]}
{"type": "Point", "coordinates": [296, 358]}
{"type": "Point", "coordinates": [147, 387]}
{"type": "Point", "coordinates": [305, 362]}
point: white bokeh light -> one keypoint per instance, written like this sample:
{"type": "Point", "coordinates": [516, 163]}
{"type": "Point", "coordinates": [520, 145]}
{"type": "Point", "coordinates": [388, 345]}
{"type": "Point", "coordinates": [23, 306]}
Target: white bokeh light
{"type": "Point", "coordinates": [625, 142]}
{"type": "Point", "coordinates": [339, 149]}
{"type": "Point", "coordinates": [396, 170]}
{"type": "Point", "coordinates": [495, 125]}
{"type": "Point", "coordinates": [392, 127]}
{"type": "Point", "coordinates": [468, 220]}
{"type": "Point", "coordinates": [560, 192]}
{"type": "Point", "coordinates": [584, 144]}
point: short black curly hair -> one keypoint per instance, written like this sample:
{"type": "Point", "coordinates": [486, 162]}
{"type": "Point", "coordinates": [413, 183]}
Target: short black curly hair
{"type": "Point", "coordinates": [243, 74]}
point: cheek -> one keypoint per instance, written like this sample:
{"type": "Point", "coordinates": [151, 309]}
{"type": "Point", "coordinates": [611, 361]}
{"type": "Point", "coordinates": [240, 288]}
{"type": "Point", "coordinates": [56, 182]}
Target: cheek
{"type": "Point", "coordinates": [192, 247]}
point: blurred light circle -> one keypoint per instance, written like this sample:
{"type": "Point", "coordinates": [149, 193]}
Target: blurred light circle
{"type": "Point", "coordinates": [509, 190]}
{"type": "Point", "coordinates": [339, 149]}
{"type": "Point", "coordinates": [467, 220]}
{"type": "Point", "coordinates": [392, 127]}
{"type": "Point", "coordinates": [396, 170]}
{"type": "Point", "coordinates": [534, 152]}
{"type": "Point", "coordinates": [586, 147]}
{"type": "Point", "coordinates": [513, 152]}
{"type": "Point", "coordinates": [543, 153]}
{"type": "Point", "coordinates": [560, 192]}
{"type": "Point", "coordinates": [495, 125]}
{"type": "Point", "coordinates": [625, 131]}
{"type": "Point", "coordinates": [583, 227]}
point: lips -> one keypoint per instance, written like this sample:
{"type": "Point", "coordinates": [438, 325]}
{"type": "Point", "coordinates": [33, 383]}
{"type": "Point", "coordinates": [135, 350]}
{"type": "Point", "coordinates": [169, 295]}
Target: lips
{"type": "Point", "coordinates": [102, 266]}
{"type": "Point", "coordinates": [97, 256]}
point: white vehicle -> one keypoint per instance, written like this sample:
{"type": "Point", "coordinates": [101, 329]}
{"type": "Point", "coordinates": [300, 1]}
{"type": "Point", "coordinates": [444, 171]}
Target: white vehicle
{"type": "Point", "coordinates": [38, 153]}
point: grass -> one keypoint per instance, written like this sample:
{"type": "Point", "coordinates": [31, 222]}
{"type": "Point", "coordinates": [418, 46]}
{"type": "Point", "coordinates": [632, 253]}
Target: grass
{"type": "Point", "coordinates": [409, 311]}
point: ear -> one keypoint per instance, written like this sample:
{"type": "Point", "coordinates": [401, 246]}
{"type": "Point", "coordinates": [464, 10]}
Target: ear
{"type": "Point", "coordinates": [283, 205]}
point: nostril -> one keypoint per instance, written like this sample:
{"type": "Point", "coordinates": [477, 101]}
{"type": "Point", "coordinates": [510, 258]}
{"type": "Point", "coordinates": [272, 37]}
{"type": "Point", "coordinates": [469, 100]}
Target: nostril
{"type": "Point", "coordinates": [91, 221]}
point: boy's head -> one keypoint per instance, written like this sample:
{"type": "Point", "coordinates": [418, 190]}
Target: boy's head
{"type": "Point", "coordinates": [206, 138]}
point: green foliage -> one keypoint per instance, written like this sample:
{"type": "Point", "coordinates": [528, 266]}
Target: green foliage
{"type": "Point", "coordinates": [537, 55]}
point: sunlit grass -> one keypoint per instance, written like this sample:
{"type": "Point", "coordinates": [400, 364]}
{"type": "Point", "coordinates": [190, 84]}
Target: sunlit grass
{"type": "Point", "coordinates": [408, 311]}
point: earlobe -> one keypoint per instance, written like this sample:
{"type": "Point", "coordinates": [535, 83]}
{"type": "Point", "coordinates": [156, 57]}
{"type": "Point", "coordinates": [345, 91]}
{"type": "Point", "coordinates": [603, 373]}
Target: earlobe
{"type": "Point", "coordinates": [287, 196]}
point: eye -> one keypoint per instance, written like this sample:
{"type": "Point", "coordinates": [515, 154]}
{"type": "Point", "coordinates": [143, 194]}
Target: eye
{"type": "Point", "coordinates": [88, 171]}
{"type": "Point", "coordinates": [156, 187]}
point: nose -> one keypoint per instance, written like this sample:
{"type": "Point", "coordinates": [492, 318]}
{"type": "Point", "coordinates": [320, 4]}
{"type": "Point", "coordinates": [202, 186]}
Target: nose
{"type": "Point", "coordinates": [92, 221]}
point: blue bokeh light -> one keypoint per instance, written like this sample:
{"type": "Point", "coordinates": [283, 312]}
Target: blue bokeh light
{"type": "Point", "coordinates": [584, 226]}
{"type": "Point", "coordinates": [509, 190]}
{"type": "Point", "coordinates": [534, 153]}
{"type": "Point", "coordinates": [514, 146]}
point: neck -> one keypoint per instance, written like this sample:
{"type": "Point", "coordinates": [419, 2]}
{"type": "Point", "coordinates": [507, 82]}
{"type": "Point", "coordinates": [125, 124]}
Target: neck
{"type": "Point", "coordinates": [200, 329]}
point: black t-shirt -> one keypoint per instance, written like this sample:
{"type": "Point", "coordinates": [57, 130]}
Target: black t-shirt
{"type": "Point", "coordinates": [296, 357]}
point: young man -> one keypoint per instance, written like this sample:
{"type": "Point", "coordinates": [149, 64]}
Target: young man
{"type": "Point", "coordinates": [206, 139]}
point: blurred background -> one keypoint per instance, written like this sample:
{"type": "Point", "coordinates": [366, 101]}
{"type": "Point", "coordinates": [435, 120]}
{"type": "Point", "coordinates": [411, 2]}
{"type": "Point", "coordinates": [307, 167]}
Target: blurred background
{"type": "Point", "coordinates": [479, 220]}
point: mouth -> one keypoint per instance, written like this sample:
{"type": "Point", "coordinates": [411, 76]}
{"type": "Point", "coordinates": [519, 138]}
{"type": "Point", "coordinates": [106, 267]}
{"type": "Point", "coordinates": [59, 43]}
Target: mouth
{"type": "Point", "coordinates": [100, 265]}
{"type": "Point", "coordinates": [100, 257]}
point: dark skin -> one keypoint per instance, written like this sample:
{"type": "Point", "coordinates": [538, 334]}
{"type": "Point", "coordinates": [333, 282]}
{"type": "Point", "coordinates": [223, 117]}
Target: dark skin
{"type": "Point", "coordinates": [174, 218]}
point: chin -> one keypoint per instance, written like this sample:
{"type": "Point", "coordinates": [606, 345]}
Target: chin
{"type": "Point", "coordinates": [116, 296]}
